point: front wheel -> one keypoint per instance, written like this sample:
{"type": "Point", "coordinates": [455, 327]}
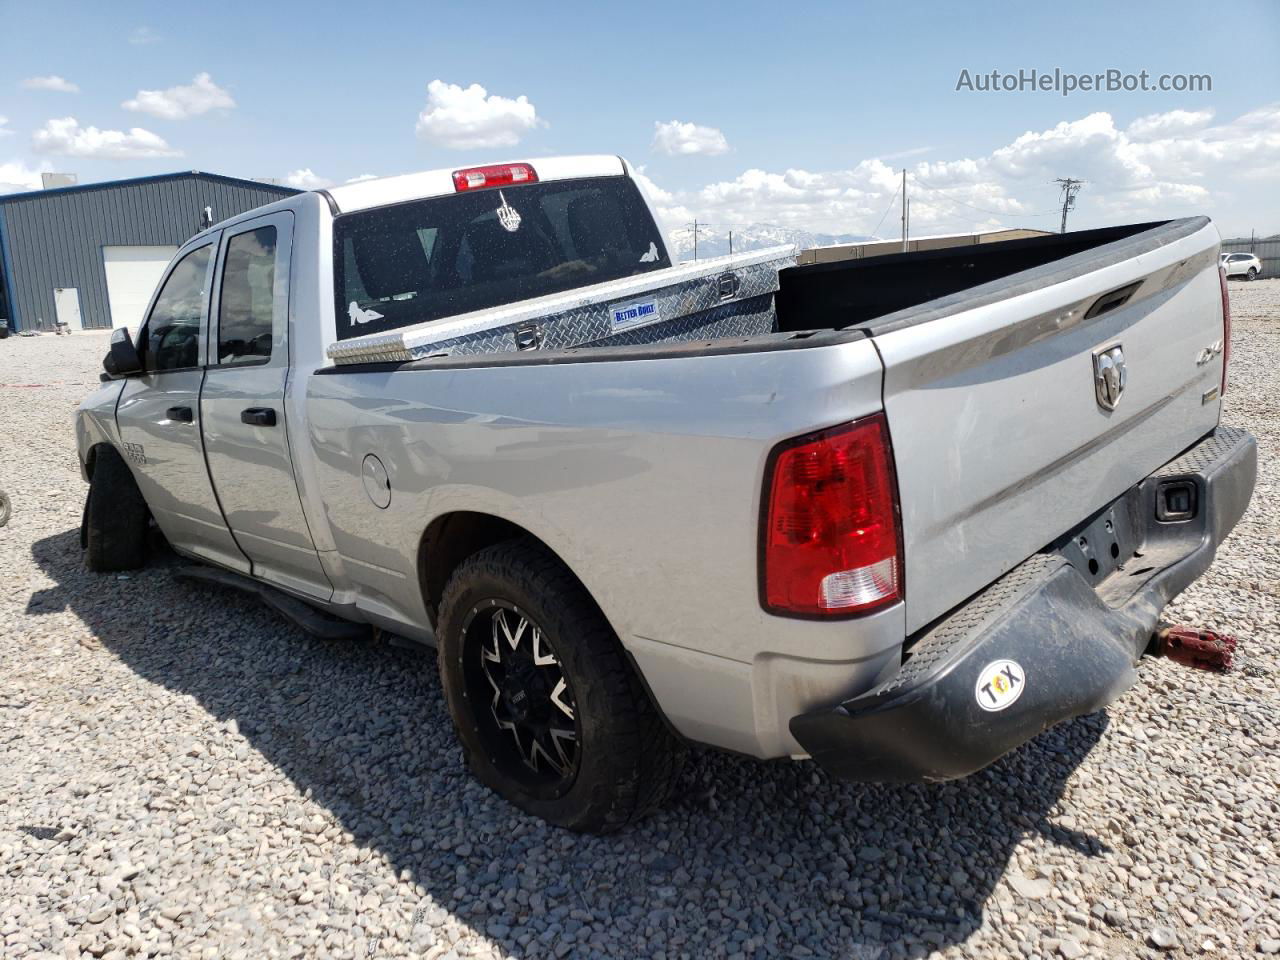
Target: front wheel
{"type": "Point", "coordinates": [549, 712]}
{"type": "Point", "coordinates": [1252, 274]}
{"type": "Point", "coordinates": [113, 531]}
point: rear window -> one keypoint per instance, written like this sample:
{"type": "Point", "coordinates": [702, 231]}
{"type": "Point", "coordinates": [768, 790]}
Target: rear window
{"type": "Point", "coordinates": [429, 259]}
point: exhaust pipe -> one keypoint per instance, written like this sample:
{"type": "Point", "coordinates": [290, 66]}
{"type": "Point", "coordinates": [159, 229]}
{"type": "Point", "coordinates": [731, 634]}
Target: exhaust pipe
{"type": "Point", "coordinates": [1202, 649]}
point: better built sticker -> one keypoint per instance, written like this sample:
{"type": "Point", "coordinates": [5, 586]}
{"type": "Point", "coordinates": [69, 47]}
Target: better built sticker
{"type": "Point", "coordinates": [630, 315]}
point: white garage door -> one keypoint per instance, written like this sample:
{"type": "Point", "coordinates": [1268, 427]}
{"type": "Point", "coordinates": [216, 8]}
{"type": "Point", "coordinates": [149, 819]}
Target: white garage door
{"type": "Point", "coordinates": [132, 276]}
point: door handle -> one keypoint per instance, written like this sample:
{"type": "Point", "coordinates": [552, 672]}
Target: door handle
{"type": "Point", "coordinates": [180, 413]}
{"type": "Point", "coordinates": [258, 417]}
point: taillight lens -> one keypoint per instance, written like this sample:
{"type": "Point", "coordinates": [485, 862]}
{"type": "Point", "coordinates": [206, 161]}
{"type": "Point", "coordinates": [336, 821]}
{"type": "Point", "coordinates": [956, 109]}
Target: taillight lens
{"type": "Point", "coordinates": [831, 539]}
{"type": "Point", "coordinates": [498, 175]}
{"type": "Point", "coordinates": [1226, 328]}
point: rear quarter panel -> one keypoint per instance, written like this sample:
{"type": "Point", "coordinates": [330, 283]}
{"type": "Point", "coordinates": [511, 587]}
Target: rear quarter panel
{"type": "Point", "coordinates": [643, 475]}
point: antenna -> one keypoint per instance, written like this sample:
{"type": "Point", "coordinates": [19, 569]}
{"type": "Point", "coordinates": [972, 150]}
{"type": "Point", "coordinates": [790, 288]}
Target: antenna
{"type": "Point", "coordinates": [1070, 188]}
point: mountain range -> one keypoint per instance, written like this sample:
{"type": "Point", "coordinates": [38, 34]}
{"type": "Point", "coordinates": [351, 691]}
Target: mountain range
{"type": "Point", "coordinates": [713, 241]}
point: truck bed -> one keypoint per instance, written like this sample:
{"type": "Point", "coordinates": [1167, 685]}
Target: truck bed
{"type": "Point", "coordinates": [642, 465]}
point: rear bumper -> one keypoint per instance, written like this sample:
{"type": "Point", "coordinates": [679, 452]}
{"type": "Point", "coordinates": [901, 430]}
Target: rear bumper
{"type": "Point", "coordinates": [1072, 620]}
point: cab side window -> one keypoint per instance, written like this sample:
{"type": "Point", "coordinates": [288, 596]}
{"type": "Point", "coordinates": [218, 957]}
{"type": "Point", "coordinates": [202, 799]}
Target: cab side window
{"type": "Point", "coordinates": [172, 335]}
{"type": "Point", "coordinates": [247, 306]}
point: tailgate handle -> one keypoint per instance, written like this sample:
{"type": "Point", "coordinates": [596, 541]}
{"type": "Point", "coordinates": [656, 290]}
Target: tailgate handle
{"type": "Point", "coordinates": [258, 417]}
{"type": "Point", "coordinates": [1110, 301]}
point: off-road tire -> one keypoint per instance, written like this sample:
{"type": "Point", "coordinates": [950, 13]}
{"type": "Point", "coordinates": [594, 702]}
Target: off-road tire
{"type": "Point", "coordinates": [113, 532]}
{"type": "Point", "coordinates": [627, 758]}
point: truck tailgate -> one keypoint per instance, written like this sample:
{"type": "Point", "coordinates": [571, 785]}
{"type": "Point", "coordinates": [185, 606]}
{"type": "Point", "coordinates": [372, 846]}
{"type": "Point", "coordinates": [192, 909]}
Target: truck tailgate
{"type": "Point", "coordinates": [1002, 444]}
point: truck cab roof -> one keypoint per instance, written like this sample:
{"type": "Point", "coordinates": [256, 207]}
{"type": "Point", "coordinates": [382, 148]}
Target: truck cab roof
{"type": "Point", "coordinates": [438, 183]}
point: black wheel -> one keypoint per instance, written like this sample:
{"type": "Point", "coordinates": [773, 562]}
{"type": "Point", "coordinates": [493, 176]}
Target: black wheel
{"type": "Point", "coordinates": [549, 712]}
{"type": "Point", "coordinates": [113, 531]}
{"type": "Point", "coordinates": [5, 508]}
{"type": "Point", "coordinates": [1252, 274]}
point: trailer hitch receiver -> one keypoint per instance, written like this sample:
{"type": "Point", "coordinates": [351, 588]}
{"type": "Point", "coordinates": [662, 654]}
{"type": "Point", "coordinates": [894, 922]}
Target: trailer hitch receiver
{"type": "Point", "coordinates": [1202, 649]}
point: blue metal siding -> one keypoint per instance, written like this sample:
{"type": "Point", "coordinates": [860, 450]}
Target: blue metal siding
{"type": "Point", "coordinates": [5, 270]}
{"type": "Point", "coordinates": [55, 238]}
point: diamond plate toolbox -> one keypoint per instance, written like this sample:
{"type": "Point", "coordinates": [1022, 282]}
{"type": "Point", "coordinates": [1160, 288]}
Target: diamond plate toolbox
{"type": "Point", "coordinates": [722, 297]}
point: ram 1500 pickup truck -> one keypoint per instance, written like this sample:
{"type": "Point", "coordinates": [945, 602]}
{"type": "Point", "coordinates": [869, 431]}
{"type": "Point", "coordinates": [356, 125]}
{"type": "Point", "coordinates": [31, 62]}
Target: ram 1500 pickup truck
{"type": "Point", "coordinates": [897, 514]}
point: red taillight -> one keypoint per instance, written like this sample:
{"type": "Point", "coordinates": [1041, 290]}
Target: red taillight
{"type": "Point", "coordinates": [1226, 329]}
{"type": "Point", "coordinates": [831, 539]}
{"type": "Point", "coordinates": [498, 175]}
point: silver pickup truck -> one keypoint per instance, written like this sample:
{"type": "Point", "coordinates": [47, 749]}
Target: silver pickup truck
{"type": "Point", "coordinates": [898, 514]}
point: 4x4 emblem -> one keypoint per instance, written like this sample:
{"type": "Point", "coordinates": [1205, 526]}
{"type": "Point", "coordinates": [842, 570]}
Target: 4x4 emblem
{"type": "Point", "coordinates": [1109, 376]}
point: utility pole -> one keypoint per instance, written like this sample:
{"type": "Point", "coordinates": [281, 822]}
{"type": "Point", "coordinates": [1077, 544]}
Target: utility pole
{"type": "Point", "coordinates": [904, 209]}
{"type": "Point", "coordinates": [1070, 188]}
{"type": "Point", "coordinates": [731, 243]}
{"type": "Point", "coordinates": [695, 238]}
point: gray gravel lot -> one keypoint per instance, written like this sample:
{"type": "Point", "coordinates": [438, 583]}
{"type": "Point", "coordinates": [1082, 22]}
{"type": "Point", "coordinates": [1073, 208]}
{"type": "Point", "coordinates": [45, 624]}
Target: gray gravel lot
{"type": "Point", "coordinates": [182, 773]}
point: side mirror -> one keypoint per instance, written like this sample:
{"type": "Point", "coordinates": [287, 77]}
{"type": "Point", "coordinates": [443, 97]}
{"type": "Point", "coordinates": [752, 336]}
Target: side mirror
{"type": "Point", "coordinates": [122, 360]}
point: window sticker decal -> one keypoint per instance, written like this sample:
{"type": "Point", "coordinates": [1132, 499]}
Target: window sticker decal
{"type": "Point", "coordinates": [358, 316]}
{"type": "Point", "coordinates": [508, 216]}
{"type": "Point", "coordinates": [652, 255]}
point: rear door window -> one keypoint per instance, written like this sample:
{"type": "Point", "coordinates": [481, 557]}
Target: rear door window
{"type": "Point", "coordinates": [428, 259]}
{"type": "Point", "coordinates": [246, 306]}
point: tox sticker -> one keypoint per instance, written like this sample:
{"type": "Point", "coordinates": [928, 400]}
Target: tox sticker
{"type": "Point", "coordinates": [999, 684]}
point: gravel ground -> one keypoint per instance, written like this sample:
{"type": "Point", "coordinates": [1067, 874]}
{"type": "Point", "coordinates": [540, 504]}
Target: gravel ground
{"type": "Point", "coordinates": [183, 773]}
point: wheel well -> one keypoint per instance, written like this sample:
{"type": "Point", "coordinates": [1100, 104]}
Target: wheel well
{"type": "Point", "coordinates": [452, 538]}
{"type": "Point", "coordinates": [91, 458]}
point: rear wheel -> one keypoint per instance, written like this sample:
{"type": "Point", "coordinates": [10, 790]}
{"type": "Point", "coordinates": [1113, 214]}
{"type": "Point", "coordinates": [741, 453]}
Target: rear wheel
{"type": "Point", "coordinates": [1252, 274]}
{"type": "Point", "coordinates": [4, 508]}
{"type": "Point", "coordinates": [113, 531]}
{"type": "Point", "coordinates": [549, 712]}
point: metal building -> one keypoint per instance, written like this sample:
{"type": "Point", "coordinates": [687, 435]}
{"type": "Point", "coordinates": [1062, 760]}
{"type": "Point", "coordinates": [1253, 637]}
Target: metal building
{"type": "Point", "coordinates": [91, 255]}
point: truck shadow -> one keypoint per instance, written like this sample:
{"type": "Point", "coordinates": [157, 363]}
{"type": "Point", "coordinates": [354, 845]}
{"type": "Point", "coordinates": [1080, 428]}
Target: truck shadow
{"type": "Point", "coordinates": [749, 857]}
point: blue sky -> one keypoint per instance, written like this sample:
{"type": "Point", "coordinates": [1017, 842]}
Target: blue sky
{"type": "Point", "coordinates": [795, 114]}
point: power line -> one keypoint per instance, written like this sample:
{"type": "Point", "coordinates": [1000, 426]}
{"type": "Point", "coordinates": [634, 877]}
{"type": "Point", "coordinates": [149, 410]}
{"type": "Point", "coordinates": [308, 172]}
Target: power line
{"type": "Point", "coordinates": [1070, 188]}
{"type": "Point", "coordinates": [876, 231]}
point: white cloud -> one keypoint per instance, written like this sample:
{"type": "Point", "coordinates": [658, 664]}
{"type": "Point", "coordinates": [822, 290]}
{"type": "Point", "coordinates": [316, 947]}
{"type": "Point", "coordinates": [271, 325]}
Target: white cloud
{"type": "Point", "coordinates": [16, 176]}
{"type": "Point", "coordinates": [178, 103]}
{"type": "Point", "coordinates": [1172, 164]}
{"type": "Point", "coordinates": [671, 214]}
{"type": "Point", "coordinates": [1157, 125]}
{"type": "Point", "coordinates": [67, 138]}
{"type": "Point", "coordinates": [675, 138]}
{"type": "Point", "coordinates": [306, 179]}
{"type": "Point", "coordinates": [52, 82]}
{"type": "Point", "coordinates": [471, 118]}
{"type": "Point", "coordinates": [3, 122]}
{"type": "Point", "coordinates": [142, 36]}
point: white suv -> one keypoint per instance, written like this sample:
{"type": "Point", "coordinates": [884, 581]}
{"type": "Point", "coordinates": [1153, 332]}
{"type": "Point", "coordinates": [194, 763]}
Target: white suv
{"type": "Point", "coordinates": [1245, 265]}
